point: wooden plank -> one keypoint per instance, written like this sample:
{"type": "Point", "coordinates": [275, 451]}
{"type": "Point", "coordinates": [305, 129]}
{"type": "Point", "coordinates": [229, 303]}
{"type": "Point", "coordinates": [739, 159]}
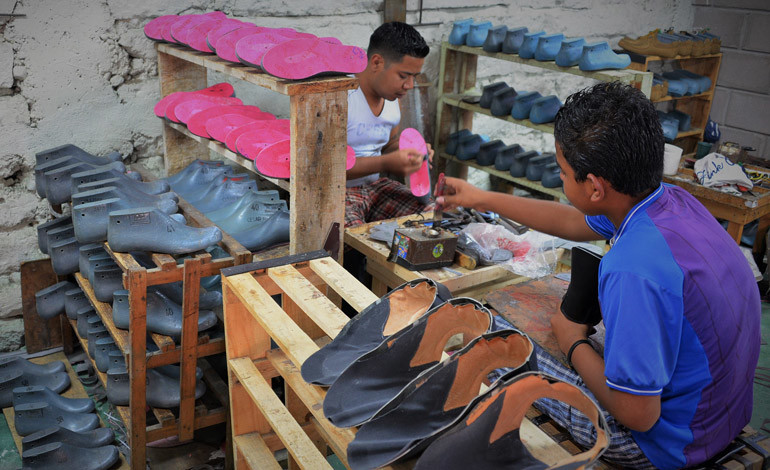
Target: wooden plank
{"type": "Point", "coordinates": [190, 296]}
{"type": "Point", "coordinates": [457, 102]}
{"type": "Point", "coordinates": [315, 305]}
{"type": "Point", "coordinates": [253, 450]}
{"type": "Point", "coordinates": [245, 336]}
{"type": "Point", "coordinates": [286, 334]}
{"type": "Point", "coordinates": [317, 185]}
{"type": "Point", "coordinates": [299, 445]}
{"type": "Point", "coordinates": [344, 283]}
{"type": "Point", "coordinates": [136, 432]}
{"type": "Point", "coordinates": [105, 313]}
{"type": "Point", "coordinates": [174, 75]}
{"type": "Point", "coordinates": [39, 334]}
{"type": "Point", "coordinates": [395, 10]}
{"type": "Point", "coordinates": [256, 76]}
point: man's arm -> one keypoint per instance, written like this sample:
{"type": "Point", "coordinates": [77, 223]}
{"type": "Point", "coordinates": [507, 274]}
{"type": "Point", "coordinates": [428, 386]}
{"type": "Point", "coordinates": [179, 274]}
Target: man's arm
{"type": "Point", "coordinates": [636, 412]}
{"type": "Point", "coordinates": [399, 162]}
{"type": "Point", "coordinates": [549, 217]}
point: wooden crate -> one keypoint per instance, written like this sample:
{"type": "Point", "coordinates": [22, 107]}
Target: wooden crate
{"type": "Point", "coordinates": [261, 423]}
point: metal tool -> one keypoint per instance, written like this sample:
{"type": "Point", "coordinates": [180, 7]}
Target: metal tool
{"type": "Point", "coordinates": [438, 211]}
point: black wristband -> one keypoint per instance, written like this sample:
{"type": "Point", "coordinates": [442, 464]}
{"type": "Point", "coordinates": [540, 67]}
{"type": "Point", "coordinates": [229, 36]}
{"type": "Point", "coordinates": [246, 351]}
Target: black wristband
{"type": "Point", "coordinates": [572, 349]}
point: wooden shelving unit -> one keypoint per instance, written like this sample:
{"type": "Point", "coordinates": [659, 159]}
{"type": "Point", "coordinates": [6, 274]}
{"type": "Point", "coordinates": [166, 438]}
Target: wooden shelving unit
{"type": "Point", "coordinates": [318, 138]}
{"type": "Point", "coordinates": [697, 106]}
{"type": "Point", "coordinates": [457, 76]}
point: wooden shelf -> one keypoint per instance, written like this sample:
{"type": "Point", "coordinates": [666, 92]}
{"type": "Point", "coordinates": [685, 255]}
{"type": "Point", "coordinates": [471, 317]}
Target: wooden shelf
{"type": "Point", "coordinates": [692, 132]}
{"type": "Point", "coordinates": [457, 102]}
{"type": "Point", "coordinates": [557, 193]}
{"type": "Point", "coordinates": [221, 149]}
{"type": "Point", "coordinates": [706, 95]}
{"type": "Point", "coordinates": [655, 58]}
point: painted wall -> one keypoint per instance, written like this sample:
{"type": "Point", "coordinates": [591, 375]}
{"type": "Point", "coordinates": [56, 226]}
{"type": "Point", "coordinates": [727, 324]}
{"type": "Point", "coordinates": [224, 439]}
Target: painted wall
{"type": "Point", "coordinates": [82, 72]}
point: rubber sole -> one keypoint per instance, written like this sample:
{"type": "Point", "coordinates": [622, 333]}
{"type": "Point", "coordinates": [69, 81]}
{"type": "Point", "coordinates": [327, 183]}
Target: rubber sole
{"type": "Point", "coordinates": [281, 125]}
{"type": "Point", "coordinates": [197, 123]}
{"type": "Point", "coordinates": [419, 181]}
{"type": "Point", "coordinates": [219, 127]}
{"type": "Point", "coordinates": [220, 89]}
{"type": "Point", "coordinates": [304, 58]}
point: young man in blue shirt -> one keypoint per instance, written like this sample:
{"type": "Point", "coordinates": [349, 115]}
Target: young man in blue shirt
{"type": "Point", "coordinates": [679, 302]}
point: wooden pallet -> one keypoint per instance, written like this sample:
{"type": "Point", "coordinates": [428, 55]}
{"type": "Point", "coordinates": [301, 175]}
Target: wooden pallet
{"type": "Point", "coordinates": [261, 424]}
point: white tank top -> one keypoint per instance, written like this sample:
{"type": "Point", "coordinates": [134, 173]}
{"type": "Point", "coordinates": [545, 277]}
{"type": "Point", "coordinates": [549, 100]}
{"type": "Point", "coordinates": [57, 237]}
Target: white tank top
{"type": "Point", "coordinates": [367, 133]}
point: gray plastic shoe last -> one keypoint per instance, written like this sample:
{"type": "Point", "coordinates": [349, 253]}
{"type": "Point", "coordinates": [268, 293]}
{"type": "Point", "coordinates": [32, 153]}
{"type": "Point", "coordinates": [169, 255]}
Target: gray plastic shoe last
{"type": "Point", "coordinates": [74, 300]}
{"type": "Point", "coordinates": [64, 256]}
{"type": "Point", "coordinates": [514, 37]}
{"type": "Point", "coordinates": [134, 198]}
{"type": "Point", "coordinates": [250, 216]}
{"type": "Point", "coordinates": [49, 302]}
{"type": "Point", "coordinates": [87, 251]}
{"type": "Point", "coordinates": [488, 91]}
{"type": "Point", "coordinates": [102, 349]}
{"type": "Point", "coordinates": [504, 156]}
{"type": "Point", "coordinates": [164, 316]}
{"type": "Point", "coordinates": [56, 381]}
{"type": "Point", "coordinates": [200, 177]}
{"type": "Point", "coordinates": [175, 292]}
{"type": "Point", "coordinates": [58, 182]}
{"type": "Point", "coordinates": [268, 199]}
{"type": "Point", "coordinates": [59, 233]}
{"type": "Point", "coordinates": [19, 364]}
{"type": "Point", "coordinates": [107, 280]}
{"type": "Point", "coordinates": [551, 176]}
{"type": "Point", "coordinates": [42, 230]}
{"type": "Point", "coordinates": [202, 191]}
{"type": "Point", "coordinates": [148, 229]}
{"type": "Point", "coordinates": [33, 417]}
{"type": "Point", "coordinates": [518, 167]}
{"type": "Point", "coordinates": [120, 309]}
{"type": "Point", "coordinates": [98, 261]}
{"type": "Point", "coordinates": [59, 455]}
{"type": "Point", "coordinates": [71, 150]}
{"type": "Point", "coordinates": [91, 219]}
{"type": "Point", "coordinates": [273, 231]}
{"type": "Point", "coordinates": [95, 438]}
{"type": "Point", "coordinates": [162, 391]}
{"type": "Point", "coordinates": [116, 360]}
{"type": "Point", "coordinates": [537, 165]}
{"type": "Point", "coordinates": [95, 333]}
{"type": "Point", "coordinates": [38, 393]}
{"type": "Point", "coordinates": [174, 371]}
{"type": "Point", "coordinates": [502, 102]}
{"type": "Point", "coordinates": [82, 323]}
{"type": "Point", "coordinates": [187, 172]}
{"type": "Point", "coordinates": [126, 184]}
{"type": "Point", "coordinates": [227, 193]}
{"type": "Point", "coordinates": [98, 174]}
{"type": "Point", "coordinates": [43, 168]}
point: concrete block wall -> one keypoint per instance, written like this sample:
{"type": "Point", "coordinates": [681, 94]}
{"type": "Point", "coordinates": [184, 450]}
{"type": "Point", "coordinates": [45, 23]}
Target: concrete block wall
{"type": "Point", "coordinates": [82, 72]}
{"type": "Point", "coordinates": [741, 104]}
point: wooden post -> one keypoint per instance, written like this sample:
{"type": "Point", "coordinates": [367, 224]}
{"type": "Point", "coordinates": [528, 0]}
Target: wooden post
{"type": "Point", "coordinates": [191, 291]}
{"type": "Point", "coordinates": [39, 334]}
{"type": "Point", "coordinates": [317, 186]}
{"type": "Point", "coordinates": [137, 332]}
{"type": "Point", "coordinates": [177, 74]}
{"type": "Point", "coordinates": [395, 10]}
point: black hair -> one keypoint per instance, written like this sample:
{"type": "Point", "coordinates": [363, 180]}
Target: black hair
{"type": "Point", "coordinates": [612, 131]}
{"type": "Point", "coordinates": [394, 40]}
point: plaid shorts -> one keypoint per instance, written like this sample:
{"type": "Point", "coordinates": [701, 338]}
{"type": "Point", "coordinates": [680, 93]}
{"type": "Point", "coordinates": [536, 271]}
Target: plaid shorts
{"type": "Point", "coordinates": [623, 448]}
{"type": "Point", "coordinates": [380, 200]}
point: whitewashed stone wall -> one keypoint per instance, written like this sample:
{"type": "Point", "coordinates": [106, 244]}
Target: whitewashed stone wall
{"type": "Point", "coordinates": [82, 72]}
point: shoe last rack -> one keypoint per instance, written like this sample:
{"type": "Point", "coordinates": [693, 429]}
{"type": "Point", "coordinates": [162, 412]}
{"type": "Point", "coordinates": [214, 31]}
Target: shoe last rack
{"type": "Point", "coordinates": [305, 321]}
{"type": "Point", "coordinates": [697, 106]}
{"type": "Point", "coordinates": [192, 414]}
{"type": "Point", "coordinates": [457, 75]}
{"type": "Point", "coordinates": [319, 111]}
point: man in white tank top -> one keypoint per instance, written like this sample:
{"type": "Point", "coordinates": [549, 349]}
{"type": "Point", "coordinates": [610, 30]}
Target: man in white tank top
{"type": "Point", "coordinates": [396, 54]}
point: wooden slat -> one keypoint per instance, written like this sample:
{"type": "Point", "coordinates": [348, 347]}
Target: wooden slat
{"type": "Point", "coordinates": [315, 305]}
{"type": "Point", "coordinates": [457, 102]}
{"type": "Point", "coordinates": [191, 293]}
{"type": "Point", "coordinates": [252, 448]}
{"type": "Point", "coordinates": [164, 416]}
{"type": "Point", "coordinates": [105, 313]}
{"type": "Point", "coordinates": [299, 445]}
{"type": "Point", "coordinates": [344, 283]}
{"type": "Point", "coordinates": [136, 427]}
{"type": "Point", "coordinates": [256, 76]}
{"type": "Point", "coordinates": [286, 334]}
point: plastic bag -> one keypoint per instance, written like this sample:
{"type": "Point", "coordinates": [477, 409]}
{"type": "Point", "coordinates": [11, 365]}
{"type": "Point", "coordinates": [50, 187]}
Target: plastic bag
{"type": "Point", "coordinates": [532, 252]}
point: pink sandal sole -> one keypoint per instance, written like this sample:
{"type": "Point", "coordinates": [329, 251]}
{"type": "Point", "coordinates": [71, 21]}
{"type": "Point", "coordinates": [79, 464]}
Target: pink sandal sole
{"type": "Point", "coordinates": [197, 123]}
{"type": "Point", "coordinates": [419, 181]}
{"type": "Point", "coordinates": [278, 125]}
{"type": "Point", "coordinates": [220, 89]}
{"type": "Point", "coordinates": [219, 127]}
{"type": "Point", "coordinates": [274, 161]}
{"type": "Point", "coordinates": [188, 108]}
{"type": "Point", "coordinates": [304, 58]}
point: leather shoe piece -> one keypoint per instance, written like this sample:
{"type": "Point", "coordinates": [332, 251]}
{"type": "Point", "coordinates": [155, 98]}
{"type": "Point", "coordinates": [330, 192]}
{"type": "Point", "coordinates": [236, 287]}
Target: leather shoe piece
{"type": "Point", "coordinates": [58, 455]}
{"type": "Point", "coordinates": [148, 229]}
{"type": "Point", "coordinates": [71, 150]}
{"type": "Point", "coordinates": [107, 279]}
{"type": "Point", "coordinates": [522, 104]}
{"type": "Point", "coordinates": [488, 435]}
{"type": "Point", "coordinates": [502, 102]}
{"type": "Point", "coordinates": [44, 228]}
{"type": "Point", "coordinates": [74, 300]}
{"type": "Point", "coordinates": [544, 109]}
{"type": "Point", "coordinates": [95, 438]}
{"type": "Point", "coordinates": [469, 146]}
{"type": "Point", "coordinates": [164, 316]}
{"type": "Point", "coordinates": [580, 303]}
{"type": "Point", "coordinates": [167, 204]}
{"type": "Point", "coordinates": [14, 364]}
{"type": "Point", "coordinates": [488, 152]}
{"type": "Point", "coordinates": [504, 156]}
{"type": "Point", "coordinates": [459, 32]}
{"type": "Point", "coordinates": [649, 44]}
{"type": "Point", "coordinates": [39, 393]}
{"type": "Point", "coordinates": [551, 176]}
{"type": "Point", "coordinates": [56, 381]}
{"type": "Point", "coordinates": [529, 45]}
{"type": "Point", "coordinates": [570, 52]}
{"type": "Point", "coordinates": [64, 256]}
{"type": "Point", "coordinates": [454, 140]}
{"type": "Point", "coordinates": [386, 316]}
{"type": "Point", "coordinates": [273, 231]}
{"type": "Point", "coordinates": [477, 34]}
{"type": "Point", "coordinates": [514, 37]}
{"type": "Point", "coordinates": [599, 56]}
{"type": "Point", "coordinates": [427, 406]}
{"type": "Point", "coordinates": [162, 391]}
{"type": "Point", "coordinates": [488, 92]}
{"type": "Point", "coordinates": [227, 193]}
{"type": "Point", "coordinates": [495, 38]}
{"type": "Point", "coordinates": [33, 417]}
{"type": "Point", "coordinates": [537, 165]}
{"type": "Point", "coordinates": [379, 375]}
{"type": "Point", "coordinates": [49, 302]}
{"type": "Point", "coordinates": [518, 168]}
{"type": "Point", "coordinates": [548, 46]}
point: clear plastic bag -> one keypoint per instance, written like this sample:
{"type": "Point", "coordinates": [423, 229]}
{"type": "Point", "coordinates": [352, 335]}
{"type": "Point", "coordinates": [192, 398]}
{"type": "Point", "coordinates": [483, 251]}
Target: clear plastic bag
{"type": "Point", "coordinates": [533, 252]}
